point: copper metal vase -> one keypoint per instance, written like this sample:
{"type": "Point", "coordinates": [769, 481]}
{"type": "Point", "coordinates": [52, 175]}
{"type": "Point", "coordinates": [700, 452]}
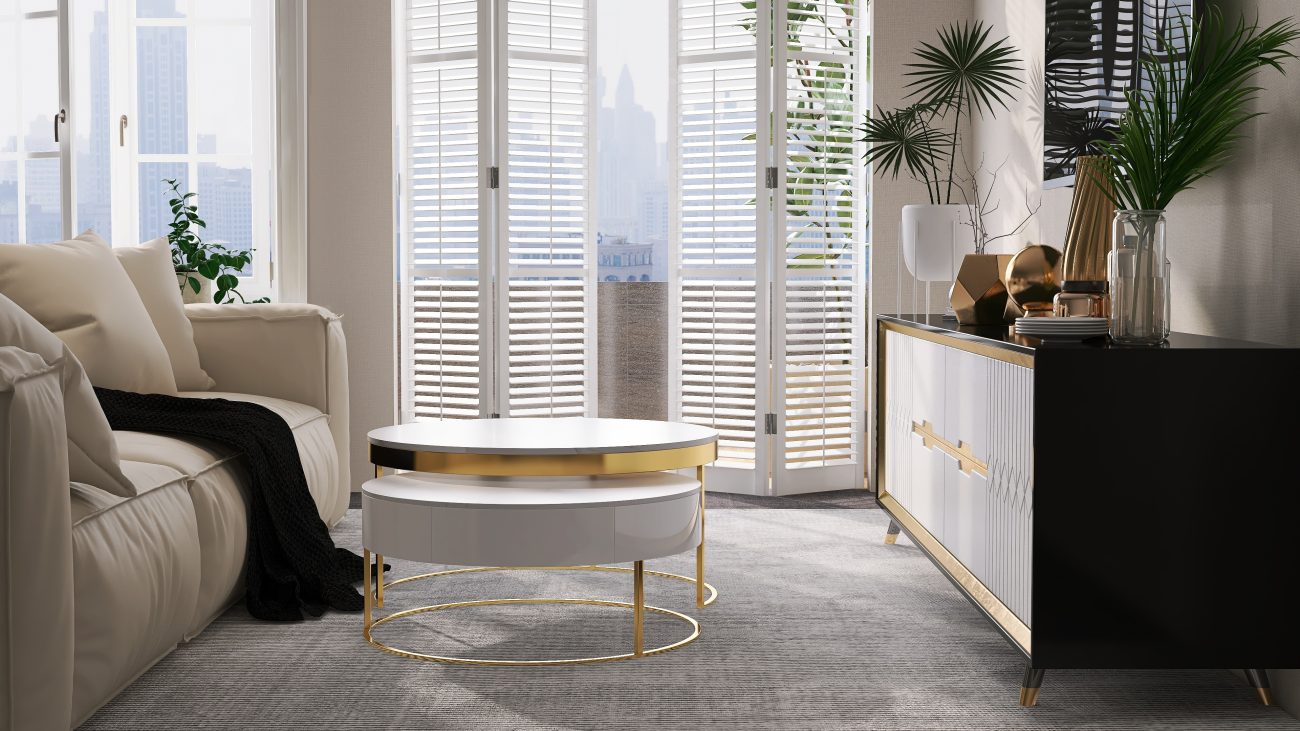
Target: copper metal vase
{"type": "Point", "coordinates": [1088, 233]}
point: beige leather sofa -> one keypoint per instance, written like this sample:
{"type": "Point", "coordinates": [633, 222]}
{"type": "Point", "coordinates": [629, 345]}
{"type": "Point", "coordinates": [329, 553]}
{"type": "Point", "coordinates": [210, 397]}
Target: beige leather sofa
{"type": "Point", "coordinates": [97, 588]}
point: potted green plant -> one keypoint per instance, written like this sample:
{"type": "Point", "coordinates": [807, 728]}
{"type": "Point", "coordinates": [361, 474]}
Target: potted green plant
{"type": "Point", "coordinates": [967, 75]}
{"type": "Point", "coordinates": [205, 270]}
{"type": "Point", "coordinates": [1180, 126]}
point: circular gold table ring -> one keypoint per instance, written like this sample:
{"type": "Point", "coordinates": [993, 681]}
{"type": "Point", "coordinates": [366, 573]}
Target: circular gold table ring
{"type": "Point", "coordinates": [695, 626]}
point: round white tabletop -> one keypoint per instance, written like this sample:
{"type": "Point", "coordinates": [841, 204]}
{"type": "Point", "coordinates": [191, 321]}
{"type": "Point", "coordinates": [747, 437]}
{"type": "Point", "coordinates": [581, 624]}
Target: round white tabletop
{"type": "Point", "coordinates": [542, 437]}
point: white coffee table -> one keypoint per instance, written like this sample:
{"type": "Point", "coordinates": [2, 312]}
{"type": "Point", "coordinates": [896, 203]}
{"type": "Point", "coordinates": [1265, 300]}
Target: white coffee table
{"type": "Point", "coordinates": [542, 494]}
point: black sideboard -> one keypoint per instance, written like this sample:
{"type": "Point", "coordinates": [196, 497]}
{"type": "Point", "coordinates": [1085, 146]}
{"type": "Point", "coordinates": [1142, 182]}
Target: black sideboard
{"type": "Point", "coordinates": [1104, 506]}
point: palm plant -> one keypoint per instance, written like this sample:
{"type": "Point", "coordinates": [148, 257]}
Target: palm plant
{"type": "Point", "coordinates": [1183, 125]}
{"type": "Point", "coordinates": [965, 76]}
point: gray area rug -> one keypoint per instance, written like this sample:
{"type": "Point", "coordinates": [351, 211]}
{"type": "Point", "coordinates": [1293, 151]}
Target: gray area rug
{"type": "Point", "coordinates": [819, 626]}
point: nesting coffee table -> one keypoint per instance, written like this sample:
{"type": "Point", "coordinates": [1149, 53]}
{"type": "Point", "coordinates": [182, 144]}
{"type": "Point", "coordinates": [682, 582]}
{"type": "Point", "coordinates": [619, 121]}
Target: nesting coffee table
{"type": "Point", "coordinates": [563, 494]}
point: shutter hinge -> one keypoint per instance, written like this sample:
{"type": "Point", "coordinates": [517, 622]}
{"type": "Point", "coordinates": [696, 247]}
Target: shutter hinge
{"type": "Point", "coordinates": [494, 416]}
{"type": "Point", "coordinates": [771, 178]}
{"type": "Point", "coordinates": [494, 177]}
{"type": "Point", "coordinates": [769, 423]}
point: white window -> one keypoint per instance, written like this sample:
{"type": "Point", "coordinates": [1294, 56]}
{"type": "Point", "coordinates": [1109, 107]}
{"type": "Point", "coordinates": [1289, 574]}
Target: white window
{"type": "Point", "coordinates": [765, 221]}
{"type": "Point", "coordinates": [141, 90]}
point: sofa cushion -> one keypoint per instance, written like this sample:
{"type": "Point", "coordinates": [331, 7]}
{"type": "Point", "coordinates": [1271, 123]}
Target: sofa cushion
{"type": "Point", "coordinates": [92, 452]}
{"type": "Point", "coordinates": [150, 267]}
{"type": "Point", "coordinates": [217, 483]}
{"type": "Point", "coordinates": [136, 576]}
{"type": "Point", "coordinates": [79, 291]}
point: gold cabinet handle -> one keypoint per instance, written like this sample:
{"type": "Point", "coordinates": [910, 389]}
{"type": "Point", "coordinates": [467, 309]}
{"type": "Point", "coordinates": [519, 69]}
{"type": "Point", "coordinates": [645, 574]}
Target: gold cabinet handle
{"type": "Point", "coordinates": [121, 131]}
{"type": "Point", "coordinates": [961, 451]}
{"type": "Point", "coordinates": [59, 118]}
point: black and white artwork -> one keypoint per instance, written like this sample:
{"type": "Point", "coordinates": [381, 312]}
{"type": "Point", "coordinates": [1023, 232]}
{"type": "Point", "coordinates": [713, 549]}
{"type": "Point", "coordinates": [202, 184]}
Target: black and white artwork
{"type": "Point", "coordinates": [1093, 56]}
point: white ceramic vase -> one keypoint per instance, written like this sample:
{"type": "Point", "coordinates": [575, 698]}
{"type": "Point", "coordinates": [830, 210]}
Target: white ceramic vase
{"type": "Point", "coordinates": [935, 238]}
{"type": "Point", "coordinates": [188, 295]}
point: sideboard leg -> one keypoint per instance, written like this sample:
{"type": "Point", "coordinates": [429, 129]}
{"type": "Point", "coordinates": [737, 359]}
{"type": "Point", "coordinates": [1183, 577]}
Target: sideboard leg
{"type": "Point", "coordinates": [891, 534]}
{"type": "Point", "coordinates": [1259, 681]}
{"type": "Point", "coordinates": [1029, 687]}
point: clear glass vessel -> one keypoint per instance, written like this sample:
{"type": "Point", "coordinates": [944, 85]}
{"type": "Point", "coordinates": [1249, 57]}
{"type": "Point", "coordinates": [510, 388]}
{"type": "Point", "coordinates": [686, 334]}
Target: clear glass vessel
{"type": "Point", "coordinates": [1138, 273]}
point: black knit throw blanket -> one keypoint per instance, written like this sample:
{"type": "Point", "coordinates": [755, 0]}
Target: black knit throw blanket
{"type": "Point", "coordinates": [292, 564]}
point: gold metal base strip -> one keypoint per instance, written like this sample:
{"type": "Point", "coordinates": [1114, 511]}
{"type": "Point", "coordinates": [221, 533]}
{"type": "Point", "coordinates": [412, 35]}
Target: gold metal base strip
{"type": "Point", "coordinates": [1016, 629]}
{"type": "Point", "coordinates": [695, 633]}
{"type": "Point", "coordinates": [711, 598]}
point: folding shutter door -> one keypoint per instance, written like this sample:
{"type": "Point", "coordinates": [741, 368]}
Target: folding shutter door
{"type": "Point", "coordinates": [546, 345]}
{"type": "Point", "coordinates": [720, 218]}
{"type": "Point", "coordinates": [444, 315]}
{"type": "Point", "coordinates": [818, 328]}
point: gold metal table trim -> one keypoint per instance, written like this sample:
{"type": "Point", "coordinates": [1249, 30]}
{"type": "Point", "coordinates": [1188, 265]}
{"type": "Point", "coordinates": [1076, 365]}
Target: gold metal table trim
{"type": "Point", "coordinates": [555, 465]}
{"type": "Point", "coordinates": [543, 465]}
{"type": "Point", "coordinates": [638, 607]}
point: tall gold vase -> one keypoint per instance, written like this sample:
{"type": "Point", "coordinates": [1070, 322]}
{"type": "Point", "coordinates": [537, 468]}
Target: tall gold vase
{"type": "Point", "coordinates": [1088, 234]}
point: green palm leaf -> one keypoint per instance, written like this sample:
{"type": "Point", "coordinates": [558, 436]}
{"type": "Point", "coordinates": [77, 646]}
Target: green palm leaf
{"type": "Point", "coordinates": [1183, 125]}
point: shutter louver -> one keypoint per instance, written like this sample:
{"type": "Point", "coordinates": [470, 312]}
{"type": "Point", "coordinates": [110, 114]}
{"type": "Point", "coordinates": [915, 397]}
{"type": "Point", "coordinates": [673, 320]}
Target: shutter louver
{"type": "Point", "coordinates": [818, 353]}
{"type": "Point", "coordinates": [548, 352]}
{"type": "Point", "coordinates": [721, 285]}
{"type": "Point", "coordinates": [442, 315]}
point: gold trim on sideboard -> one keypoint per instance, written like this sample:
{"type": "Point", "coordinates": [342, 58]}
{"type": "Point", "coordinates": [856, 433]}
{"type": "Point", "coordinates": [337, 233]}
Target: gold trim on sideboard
{"type": "Point", "coordinates": [961, 451]}
{"type": "Point", "coordinates": [1023, 360]}
{"type": "Point", "coordinates": [1017, 630]}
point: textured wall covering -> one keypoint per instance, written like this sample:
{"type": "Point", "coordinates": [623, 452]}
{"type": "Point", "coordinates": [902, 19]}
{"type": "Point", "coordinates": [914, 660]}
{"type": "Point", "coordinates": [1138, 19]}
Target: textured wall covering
{"type": "Point", "coordinates": [898, 28]}
{"type": "Point", "coordinates": [632, 322]}
{"type": "Point", "coordinates": [1234, 241]}
{"type": "Point", "coordinates": [350, 207]}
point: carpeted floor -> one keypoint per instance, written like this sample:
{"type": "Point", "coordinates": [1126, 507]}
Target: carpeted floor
{"type": "Point", "coordinates": [819, 626]}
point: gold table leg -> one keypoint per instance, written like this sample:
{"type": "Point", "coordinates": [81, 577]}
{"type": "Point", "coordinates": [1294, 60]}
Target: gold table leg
{"type": "Point", "coordinates": [365, 554]}
{"type": "Point", "coordinates": [699, 550]}
{"type": "Point", "coordinates": [638, 608]}
{"type": "Point", "coordinates": [379, 585]}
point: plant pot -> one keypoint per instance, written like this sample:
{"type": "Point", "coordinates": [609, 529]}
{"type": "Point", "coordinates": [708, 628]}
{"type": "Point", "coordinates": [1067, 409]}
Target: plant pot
{"type": "Point", "coordinates": [979, 294]}
{"type": "Point", "coordinates": [935, 237]}
{"type": "Point", "coordinates": [188, 296]}
{"type": "Point", "coordinates": [1138, 273]}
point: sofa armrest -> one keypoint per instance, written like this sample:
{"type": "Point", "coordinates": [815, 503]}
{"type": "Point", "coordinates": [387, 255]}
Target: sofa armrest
{"type": "Point", "coordinates": [36, 611]}
{"type": "Point", "coordinates": [294, 352]}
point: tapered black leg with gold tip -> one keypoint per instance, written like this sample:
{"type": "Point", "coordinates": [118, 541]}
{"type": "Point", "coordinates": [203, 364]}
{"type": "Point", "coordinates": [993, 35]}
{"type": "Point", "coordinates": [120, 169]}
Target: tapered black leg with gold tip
{"type": "Point", "coordinates": [891, 534]}
{"type": "Point", "coordinates": [1258, 680]}
{"type": "Point", "coordinates": [1030, 685]}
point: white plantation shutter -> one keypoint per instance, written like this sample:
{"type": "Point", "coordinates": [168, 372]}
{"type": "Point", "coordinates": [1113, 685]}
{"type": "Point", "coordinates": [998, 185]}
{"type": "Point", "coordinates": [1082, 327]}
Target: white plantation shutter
{"type": "Point", "coordinates": [445, 323]}
{"type": "Point", "coordinates": [497, 290]}
{"type": "Point", "coordinates": [770, 329]}
{"type": "Point", "coordinates": [720, 340]}
{"type": "Point", "coordinates": [818, 337]}
{"type": "Point", "coordinates": [547, 347]}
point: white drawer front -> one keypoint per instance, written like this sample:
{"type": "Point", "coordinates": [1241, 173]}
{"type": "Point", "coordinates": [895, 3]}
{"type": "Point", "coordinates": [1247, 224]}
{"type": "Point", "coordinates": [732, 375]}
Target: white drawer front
{"type": "Point", "coordinates": [969, 400]}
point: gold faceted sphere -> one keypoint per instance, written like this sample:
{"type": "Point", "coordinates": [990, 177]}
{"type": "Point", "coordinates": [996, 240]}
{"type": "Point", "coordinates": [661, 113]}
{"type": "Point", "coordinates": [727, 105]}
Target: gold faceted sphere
{"type": "Point", "coordinates": [1033, 276]}
{"type": "Point", "coordinates": [979, 295]}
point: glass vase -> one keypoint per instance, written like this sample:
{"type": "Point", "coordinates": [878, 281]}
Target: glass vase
{"type": "Point", "coordinates": [1138, 274]}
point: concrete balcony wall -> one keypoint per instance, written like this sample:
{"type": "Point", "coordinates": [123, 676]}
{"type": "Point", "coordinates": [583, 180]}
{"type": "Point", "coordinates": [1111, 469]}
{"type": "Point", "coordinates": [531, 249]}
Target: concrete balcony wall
{"type": "Point", "coordinates": [633, 323]}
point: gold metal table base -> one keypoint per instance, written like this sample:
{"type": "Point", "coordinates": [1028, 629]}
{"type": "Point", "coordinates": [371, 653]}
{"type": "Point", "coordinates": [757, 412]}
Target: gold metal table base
{"type": "Point", "coordinates": [637, 606]}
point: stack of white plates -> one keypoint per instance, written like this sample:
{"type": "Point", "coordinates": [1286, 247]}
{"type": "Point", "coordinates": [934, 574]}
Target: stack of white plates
{"type": "Point", "coordinates": [1062, 328]}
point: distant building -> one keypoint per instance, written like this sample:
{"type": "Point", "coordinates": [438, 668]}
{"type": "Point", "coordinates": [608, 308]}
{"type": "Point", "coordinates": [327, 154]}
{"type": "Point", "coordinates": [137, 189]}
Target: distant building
{"type": "Point", "coordinates": [620, 261]}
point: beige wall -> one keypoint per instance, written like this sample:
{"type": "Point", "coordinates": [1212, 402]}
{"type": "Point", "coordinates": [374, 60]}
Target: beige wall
{"type": "Point", "coordinates": [1234, 241]}
{"type": "Point", "coordinates": [350, 206]}
{"type": "Point", "coordinates": [897, 29]}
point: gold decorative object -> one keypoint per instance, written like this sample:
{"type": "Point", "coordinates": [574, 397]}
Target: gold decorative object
{"type": "Point", "coordinates": [979, 294]}
{"type": "Point", "coordinates": [1033, 278]}
{"type": "Point", "coordinates": [1088, 233]}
